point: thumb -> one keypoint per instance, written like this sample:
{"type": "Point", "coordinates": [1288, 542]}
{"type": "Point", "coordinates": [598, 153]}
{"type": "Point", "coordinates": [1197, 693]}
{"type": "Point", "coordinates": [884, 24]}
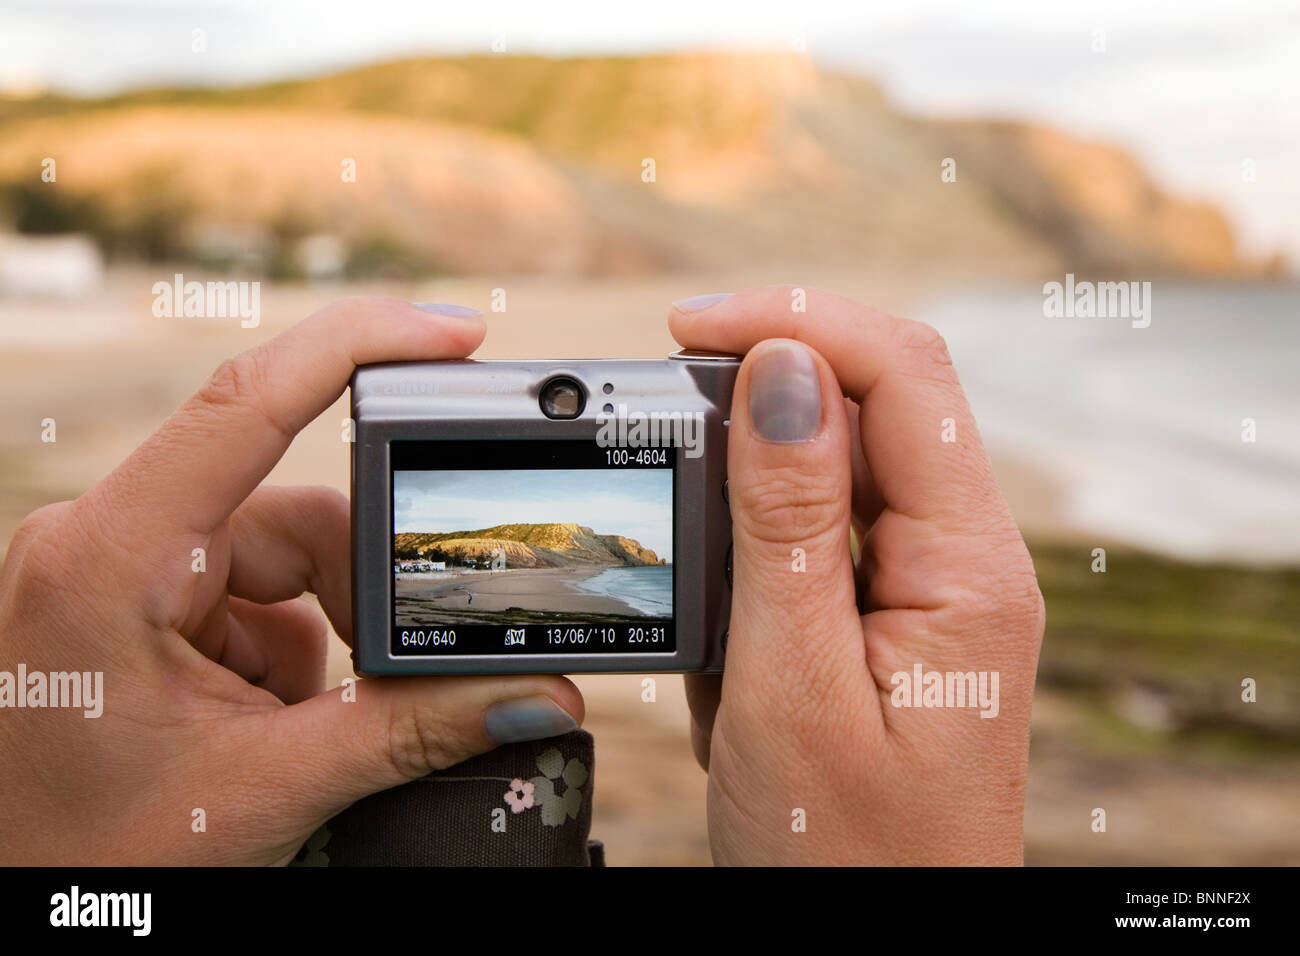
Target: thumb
{"type": "Point", "coordinates": [794, 627]}
{"type": "Point", "coordinates": [352, 741]}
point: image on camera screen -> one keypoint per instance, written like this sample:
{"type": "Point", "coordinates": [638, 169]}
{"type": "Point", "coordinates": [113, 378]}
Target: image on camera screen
{"type": "Point", "coordinates": [557, 547]}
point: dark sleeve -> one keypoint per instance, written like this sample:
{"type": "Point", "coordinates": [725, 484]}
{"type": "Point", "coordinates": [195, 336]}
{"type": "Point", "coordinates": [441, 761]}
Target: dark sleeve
{"type": "Point", "coordinates": [523, 804]}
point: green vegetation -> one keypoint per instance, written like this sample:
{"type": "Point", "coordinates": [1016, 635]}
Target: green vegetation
{"type": "Point", "coordinates": [1179, 638]}
{"type": "Point", "coordinates": [30, 208]}
{"type": "Point", "coordinates": [143, 216]}
{"type": "Point", "coordinates": [386, 257]}
{"type": "Point", "coordinates": [147, 216]}
{"type": "Point", "coordinates": [580, 106]}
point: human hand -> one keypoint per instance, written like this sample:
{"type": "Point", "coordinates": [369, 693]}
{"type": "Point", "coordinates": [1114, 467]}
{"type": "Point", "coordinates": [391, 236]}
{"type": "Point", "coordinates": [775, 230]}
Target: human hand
{"type": "Point", "coordinates": [802, 718]}
{"type": "Point", "coordinates": [214, 682]}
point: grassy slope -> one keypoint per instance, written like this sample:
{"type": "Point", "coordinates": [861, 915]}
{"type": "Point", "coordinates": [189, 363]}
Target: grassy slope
{"type": "Point", "coordinates": [790, 159]}
{"type": "Point", "coordinates": [1180, 635]}
{"type": "Point", "coordinates": [578, 106]}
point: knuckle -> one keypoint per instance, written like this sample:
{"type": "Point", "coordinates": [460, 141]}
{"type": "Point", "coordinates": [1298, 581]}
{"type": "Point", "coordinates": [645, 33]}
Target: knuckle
{"type": "Point", "coordinates": [1040, 617]}
{"type": "Point", "coordinates": [234, 381]}
{"type": "Point", "coordinates": [421, 740]}
{"type": "Point", "coordinates": [40, 565]}
{"type": "Point", "coordinates": [329, 501]}
{"type": "Point", "coordinates": [318, 506]}
{"type": "Point", "coordinates": [1010, 601]}
{"type": "Point", "coordinates": [1035, 607]}
{"type": "Point", "coordinates": [32, 527]}
{"type": "Point", "coordinates": [1017, 602]}
{"type": "Point", "coordinates": [242, 382]}
{"type": "Point", "coordinates": [330, 514]}
{"type": "Point", "coordinates": [923, 350]}
{"type": "Point", "coordinates": [788, 505]}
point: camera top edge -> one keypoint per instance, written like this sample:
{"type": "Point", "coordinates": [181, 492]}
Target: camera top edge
{"type": "Point", "coordinates": [702, 374]}
{"type": "Point", "coordinates": [680, 355]}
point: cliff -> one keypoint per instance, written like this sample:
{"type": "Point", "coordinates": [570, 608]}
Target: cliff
{"type": "Point", "coordinates": [529, 546]}
{"type": "Point", "coordinates": [491, 165]}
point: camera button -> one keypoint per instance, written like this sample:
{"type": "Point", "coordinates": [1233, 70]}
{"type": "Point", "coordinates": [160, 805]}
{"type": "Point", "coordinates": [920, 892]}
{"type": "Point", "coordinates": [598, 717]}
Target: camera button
{"type": "Point", "coordinates": [726, 494]}
{"type": "Point", "coordinates": [730, 547]}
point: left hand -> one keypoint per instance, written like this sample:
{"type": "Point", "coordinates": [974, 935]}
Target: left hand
{"type": "Point", "coordinates": [801, 726]}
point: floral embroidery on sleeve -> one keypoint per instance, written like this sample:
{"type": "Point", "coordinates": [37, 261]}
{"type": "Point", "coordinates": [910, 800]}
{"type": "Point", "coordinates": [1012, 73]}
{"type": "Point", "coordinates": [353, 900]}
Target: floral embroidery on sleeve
{"type": "Point", "coordinates": [520, 795]}
{"type": "Point", "coordinates": [556, 791]}
{"type": "Point", "coordinates": [558, 805]}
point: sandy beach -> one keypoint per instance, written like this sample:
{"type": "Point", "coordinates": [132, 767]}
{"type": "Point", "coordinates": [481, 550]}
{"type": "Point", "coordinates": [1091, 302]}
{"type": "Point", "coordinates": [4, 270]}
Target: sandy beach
{"type": "Point", "coordinates": [477, 596]}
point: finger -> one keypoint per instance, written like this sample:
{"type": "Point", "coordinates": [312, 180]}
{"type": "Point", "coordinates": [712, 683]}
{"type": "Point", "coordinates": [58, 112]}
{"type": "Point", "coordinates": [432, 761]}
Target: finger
{"type": "Point", "coordinates": [898, 371]}
{"type": "Point", "coordinates": [701, 744]}
{"type": "Point", "coordinates": [703, 694]}
{"type": "Point", "coordinates": [325, 753]}
{"type": "Point", "coordinates": [795, 633]}
{"type": "Point", "coordinates": [192, 473]}
{"type": "Point", "coordinates": [867, 502]}
{"type": "Point", "coordinates": [278, 647]}
{"type": "Point", "coordinates": [285, 541]}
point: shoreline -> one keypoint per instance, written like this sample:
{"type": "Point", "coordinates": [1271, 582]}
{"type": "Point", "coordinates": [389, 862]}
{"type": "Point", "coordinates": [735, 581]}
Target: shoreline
{"type": "Point", "coordinates": [474, 595]}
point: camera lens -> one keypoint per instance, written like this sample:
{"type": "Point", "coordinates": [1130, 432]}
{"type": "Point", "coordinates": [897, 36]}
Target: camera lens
{"type": "Point", "coordinates": [562, 398]}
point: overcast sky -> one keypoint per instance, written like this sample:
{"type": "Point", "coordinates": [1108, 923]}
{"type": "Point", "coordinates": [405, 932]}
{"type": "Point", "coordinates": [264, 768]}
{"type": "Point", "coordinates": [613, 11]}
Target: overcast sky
{"type": "Point", "coordinates": [1193, 87]}
{"type": "Point", "coordinates": [636, 503]}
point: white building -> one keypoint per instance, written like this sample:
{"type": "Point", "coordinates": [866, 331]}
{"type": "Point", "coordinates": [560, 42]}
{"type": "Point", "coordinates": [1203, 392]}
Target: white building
{"type": "Point", "coordinates": [61, 266]}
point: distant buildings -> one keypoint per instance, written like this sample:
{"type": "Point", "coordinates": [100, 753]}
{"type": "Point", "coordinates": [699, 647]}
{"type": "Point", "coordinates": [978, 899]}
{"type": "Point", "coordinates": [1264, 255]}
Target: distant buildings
{"type": "Point", "coordinates": [57, 266]}
{"type": "Point", "coordinates": [419, 566]}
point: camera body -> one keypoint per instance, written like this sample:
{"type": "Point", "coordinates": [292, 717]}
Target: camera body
{"type": "Point", "coordinates": [541, 516]}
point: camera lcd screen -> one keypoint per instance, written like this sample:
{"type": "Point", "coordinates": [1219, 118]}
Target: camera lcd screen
{"type": "Point", "coordinates": [517, 547]}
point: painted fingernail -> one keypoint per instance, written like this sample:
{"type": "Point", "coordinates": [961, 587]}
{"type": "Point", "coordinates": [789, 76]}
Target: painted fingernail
{"type": "Point", "coordinates": [785, 394]}
{"type": "Point", "coordinates": [527, 718]}
{"type": "Point", "coordinates": [697, 303]}
{"type": "Point", "coordinates": [447, 308]}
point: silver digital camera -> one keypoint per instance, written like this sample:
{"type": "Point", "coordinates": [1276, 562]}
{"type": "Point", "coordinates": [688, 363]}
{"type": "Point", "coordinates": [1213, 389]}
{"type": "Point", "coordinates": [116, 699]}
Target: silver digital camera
{"type": "Point", "coordinates": [541, 516]}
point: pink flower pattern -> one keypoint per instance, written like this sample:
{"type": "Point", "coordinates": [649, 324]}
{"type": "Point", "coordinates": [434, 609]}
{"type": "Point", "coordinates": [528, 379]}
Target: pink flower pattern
{"type": "Point", "coordinates": [520, 796]}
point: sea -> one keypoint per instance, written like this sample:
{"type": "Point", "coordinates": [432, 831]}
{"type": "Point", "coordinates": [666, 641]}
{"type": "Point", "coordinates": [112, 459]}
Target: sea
{"type": "Point", "coordinates": [1144, 431]}
{"type": "Point", "coordinates": [648, 589]}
